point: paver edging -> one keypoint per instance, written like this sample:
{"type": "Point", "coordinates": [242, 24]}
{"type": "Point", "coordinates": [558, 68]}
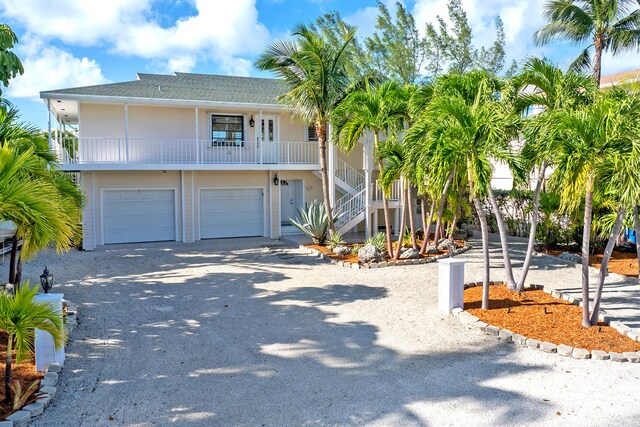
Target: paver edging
{"type": "Point", "coordinates": [472, 322]}
{"type": "Point", "coordinates": [382, 264]}
{"type": "Point", "coordinates": [47, 388]}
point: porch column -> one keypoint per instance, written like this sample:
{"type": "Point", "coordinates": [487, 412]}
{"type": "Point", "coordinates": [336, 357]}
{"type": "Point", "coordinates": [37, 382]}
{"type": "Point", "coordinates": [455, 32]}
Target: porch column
{"type": "Point", "coordinates": [49, 124]}
{"type": "Point", "coordinates": [126, 132]}
{"type": "Point", "coordinates": [259, 136]}
{"type": "Point", "coordinates": [331, 167]}
{"type": "Point", "coordinates": [197, 137]}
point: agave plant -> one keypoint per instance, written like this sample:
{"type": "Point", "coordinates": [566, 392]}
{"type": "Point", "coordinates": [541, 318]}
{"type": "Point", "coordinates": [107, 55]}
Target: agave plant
{"type": "Point", "coordinates": [336, 240]}
{"type": "Point", "coordinates": [379, 240]}
{"type": "Point", "coordinates": [313, 222]}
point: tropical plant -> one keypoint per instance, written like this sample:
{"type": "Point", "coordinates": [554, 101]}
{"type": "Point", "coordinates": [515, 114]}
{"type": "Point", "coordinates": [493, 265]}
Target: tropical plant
{"type": "Point", "coordinates": [378, 240]}
{"type": "Point", "coordinates": [610, 25]}
{"type": "Point", "coordinates": [315, 74]}
{"type": "Point", "coordinates": [314, 222]}
{"type": "Point", "coordinates": [10, 64]}
{"type": "Point", "coordinates": [335, 239]}
{"type": "Point", "coordinates": [355, 249]}
{"type": "Point", "coordinates": [20, 315]}
{"type": "Point", "coordinates": [23, 395]}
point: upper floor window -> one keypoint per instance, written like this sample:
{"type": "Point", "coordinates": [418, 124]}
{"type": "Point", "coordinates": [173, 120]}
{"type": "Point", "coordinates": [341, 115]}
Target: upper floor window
{"type": "Point", "coordinates": [227, 131]}
{"type": "Point", "coordinates": [311, 132]}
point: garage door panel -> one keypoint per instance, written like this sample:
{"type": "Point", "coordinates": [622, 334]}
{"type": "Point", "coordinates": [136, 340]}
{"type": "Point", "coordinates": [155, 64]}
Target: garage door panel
{"type": "Point", "coordinates": [138, 216]}
{"type": "Point", "coordinates": [231, 213]}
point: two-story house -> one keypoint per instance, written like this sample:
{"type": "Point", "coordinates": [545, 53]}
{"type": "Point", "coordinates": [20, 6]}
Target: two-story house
{"type": "Point", "coordinates": [186, 157]}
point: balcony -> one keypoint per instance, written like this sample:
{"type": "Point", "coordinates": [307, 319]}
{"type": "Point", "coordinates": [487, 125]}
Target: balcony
{"type": "Point", "coordinates": [123, 153]}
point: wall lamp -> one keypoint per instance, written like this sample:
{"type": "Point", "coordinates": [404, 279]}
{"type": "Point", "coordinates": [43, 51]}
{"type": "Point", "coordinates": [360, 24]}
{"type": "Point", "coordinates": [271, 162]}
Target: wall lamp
{"type": "Point", "coordinates": [252, 122]}
{"type": "Point", "coordinates": [276, 181]}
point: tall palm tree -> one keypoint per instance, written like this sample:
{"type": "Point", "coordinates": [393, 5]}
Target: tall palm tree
{"type": "Point", "coordinates": [20, 315]}
{"type": "Point", "coordinates": [315, 75]}
{"type": "Point", "coordinates": [380, 110]}
{"type": "Point", "coordinates": [610, 25]}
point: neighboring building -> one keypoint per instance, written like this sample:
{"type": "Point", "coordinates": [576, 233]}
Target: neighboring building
{"type": "Point", "coordinates": [625, 79]}
{"type": "Point", "coordinates": [186, 157]}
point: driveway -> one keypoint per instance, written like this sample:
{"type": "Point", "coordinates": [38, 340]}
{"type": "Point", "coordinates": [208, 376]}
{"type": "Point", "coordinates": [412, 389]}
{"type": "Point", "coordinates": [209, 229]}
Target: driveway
{"type": "Point", "coordinates": [229, 332]}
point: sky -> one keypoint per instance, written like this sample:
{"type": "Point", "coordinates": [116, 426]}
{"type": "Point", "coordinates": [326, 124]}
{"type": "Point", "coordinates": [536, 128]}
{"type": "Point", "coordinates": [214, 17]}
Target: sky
{"type": "Point", "coordinates": [73, 43]}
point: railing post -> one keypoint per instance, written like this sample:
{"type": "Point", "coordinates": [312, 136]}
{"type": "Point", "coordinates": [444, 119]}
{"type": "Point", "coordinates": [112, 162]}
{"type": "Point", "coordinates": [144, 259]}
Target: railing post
{"type": "Point", "coordinates": [197, 138]}
{"type": "Point", "coordinates": [126, 132]}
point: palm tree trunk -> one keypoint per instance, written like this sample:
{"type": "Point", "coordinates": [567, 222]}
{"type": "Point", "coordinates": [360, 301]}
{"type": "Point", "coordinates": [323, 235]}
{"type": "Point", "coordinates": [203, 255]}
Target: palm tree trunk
{"type": "Point", "coordinates": [532, 232]}
{"type": "Point", "coordinates": [443, 199]}
{"type": "Point", "coordinates": [604, 266]}
{"type": "Point", "coordinates": [423, 213]}
{"type": "Point", "coordinates": [403, 218]}
{"type": "Point", "coordinates": [586, 238]}
{"type": "Point", "coordinates": [511, 283]}
{"type": "Point", "coordinates": [7, 369]}
{"type": "Point", "coordinates": [321, 130]}
{"type": "Point", "coordinates": [484, 230]}
{"type": "Point", "coordinates": [427, 228]}
{"type": "Point", "coordinates": [387, 218]}
{"type": "Point", "coordinates": [18, 272]}
{"type": "Point", "coordinates": [636, 231]}
{"type": "Point", "coordinates": [454, 223]}
{"type": "Point", "coordinates": [412, 226]}
{"type": "Point", "coordinates": [597, 63]}
{"type": "Point", "coordinates": [13, 259]}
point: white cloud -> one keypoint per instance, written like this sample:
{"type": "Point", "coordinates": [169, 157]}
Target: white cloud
{"type": "Point", "coordinates": [219, 30]}
{"type": "Point", "coordinates": [48, 67]}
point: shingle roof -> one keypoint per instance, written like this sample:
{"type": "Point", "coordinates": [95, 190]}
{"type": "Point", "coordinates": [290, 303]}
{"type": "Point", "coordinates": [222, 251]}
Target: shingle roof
{"type": "Point", "coordinates": [619, 78]}
{"type": "Point", "coordinates": [186, 87]}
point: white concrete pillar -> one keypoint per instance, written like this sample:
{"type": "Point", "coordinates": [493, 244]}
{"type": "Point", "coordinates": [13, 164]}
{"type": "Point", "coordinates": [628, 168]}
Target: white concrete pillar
{"type": "Point", "coordinates": [331, 167]}
{"type": "Point", "coordinates": [49, 124]}
{"type": "Point", "coordinates": [197, 137]}
{"type": "Point", "coordinates": [45, 349]}
{"type": "Point", "coordinates": [450, 284]}
{"type": "Point", "coordinates": [126, 131]}
{"type": "Point", "coordinates": [396, 218]}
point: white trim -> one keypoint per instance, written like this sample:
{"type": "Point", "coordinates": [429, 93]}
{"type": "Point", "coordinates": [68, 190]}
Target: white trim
{"type": "Point", "coordinates": [184, 236]}
{"type": "Point", "coordinates": [279, 206]}
{"type": "Point", "coordinates": [126, 130]}
{"type": "Point", "coordinates": [247, 187]}
{"type": "Point", "coordinates": [197, 137]}
{"type": "Point", "coordinates": [270, 205]}
{"type": "Point", "coordinates": [49, 124]}
{"type": "Point", "coordinates": [74, 167]}
{"type": "Point", "coordinates": [193, 207]}
{"type": "Point", "coordinates": [210, 115]}
{"type": "Point", "coordinates": [93, 211]}
{"type": "Point", "coordinates": [175, 203]}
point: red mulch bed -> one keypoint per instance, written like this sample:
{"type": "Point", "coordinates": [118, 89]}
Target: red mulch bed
{"type": "Point", "coordinates": [625, 263]}
{"type": "Point", "coordinates": [25, 371]}
{"type": "Point", "coordinates": [524, 314]}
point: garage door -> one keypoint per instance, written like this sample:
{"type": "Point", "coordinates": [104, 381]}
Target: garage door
{"type": "Point", "coordinates": [231, 213]}
{"type": "Point", "coordinates": [138, 216]}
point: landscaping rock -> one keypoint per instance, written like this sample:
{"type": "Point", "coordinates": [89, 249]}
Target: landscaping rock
{"type": "Point", "coordinates": [478, 325]}
{"type": "Point", "coordinates": [505, 335]}
{"type": "Point", "coordinates": [51, 391]}
{"type": "Point", "coordinates": [494, 331]}
{"type": "Point", "coordinates": [567, 256]}
{"type": "Point", "coordinates": [565, 350]}
{"type": "Point", "coordinates": [369, 253]}
{"type": "Point", "coordinates": [45, 400]}
{"type": "Point", "coordinates": [456, 311]}
{"type": "Point", "coordinates": [20, 418]}
{"type": "Point", "coordinates": [459, 234]}
{"type": "Point", "coordinates": [34, 409]}
{"type": "Point", "coordinates": [634, 334]}
{"type": "Point", "coordinates": [519, 339]}
{"type": "Point", "coordinates": [355, 266]}
{"type": "Point", "coordinates": [409, 253]}
{"type": "Point", "coordinates": [6, 423]}
{"type": "Point", "coordinates": [52, 376]}
{"type": "Point", "coordinates": [533, 343]}
{"type": "Point", "coordinates": [467, 318]}
{"type": "Point", "coordinates": [599, 355]}
{"type": "Point", "coordinates": [468, 229]}
{"type": "Point", "coordinates": [431, 250]}
{"type": "Point", "coordinates": [632, 356]}
{"type": "Point", "coordinates": [548, 347]}
{"type": "Point", "coordinates": [617, 357]}
{"type": "Point", "coordinates": [341, 250]}
{"type": "Point", "coordinates": [580, 353]}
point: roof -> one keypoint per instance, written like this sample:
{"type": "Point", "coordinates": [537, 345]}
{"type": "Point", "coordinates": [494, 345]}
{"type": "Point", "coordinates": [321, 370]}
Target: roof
{"type": "Point", "coordinates": [620, 78]}
{"type": "Point", "coordinates": [185, 87]}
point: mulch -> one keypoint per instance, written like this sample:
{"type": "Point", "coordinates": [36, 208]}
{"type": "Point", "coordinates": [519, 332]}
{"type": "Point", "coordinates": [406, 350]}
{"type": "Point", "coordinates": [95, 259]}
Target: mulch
{"type": "Point", "coordinates": [26, 371]}
{"type": "Point", "coordinates": [625, 263]}
{"type": "Point", "coordinates": [538, 315]}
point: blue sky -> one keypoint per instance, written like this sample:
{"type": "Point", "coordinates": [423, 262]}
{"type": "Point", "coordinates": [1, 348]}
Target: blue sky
{"type": "Point", "coordinates": [83, 42]}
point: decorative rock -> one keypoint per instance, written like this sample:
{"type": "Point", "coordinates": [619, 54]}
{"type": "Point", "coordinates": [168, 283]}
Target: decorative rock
{"type": "Point", "coordinates": [565, 350]}
{"type": "Point", "coordinates": [341, 250]}
{"type": "Point", "coordinates": [50, 390]}
{"type": "Point", "coordinates": [369, 253]}
{"type": "Point", "coordinates": [467, 318]}
{"type": "Point", "coordinates": [631, 356]}
{"type": "Point", "coordinates": [6, 423]}
{"type": "Point", "coordinates": [34, 409]}
{"type": "Point", "coordinates": [373, 265]}
{"type": "Point", "coordinates": [532, 343]}
{"type": "Point", "coordinates": [51, 376]}
{"type": "Point", "coordinates": [432, 250]}
{"type": "Point", "coordinates": [355, 266]}
{"type": "Point", "coordinates": [617, 357]}
{"type": "Point", "coordinates": [468, 229]}
{"type": "Point", "coordinates": [20, 418]}
{"type": "Point", "coordinates": [409, 253]}
{"type": "Point", "coordinates": [383, 264]}
{"type": "Point", "coordinates": [492, 330]}
{"type": "Point", "coordinates": [478, 325]}
{"type": "Point", "coordinates": [45, 400]}
{"type": "Point", "coordinates": [48, 382]}
{"type": "Point", "coordinates": [519, 339]}
{"type": "Point", "coordinates": [599, 355]}
{"type": "Point", "coordinates": [456, 311]}
{"type": "Point", "coordinates": [505, 335]}
{"type": "Point", "coordinates": [548, 347]}
{"type": "Point", "coordinates": [580, 353]}
{"type": "Point", "coordinates": [570, 257]}
{"type": "Point", "coordinates": [634, 334]}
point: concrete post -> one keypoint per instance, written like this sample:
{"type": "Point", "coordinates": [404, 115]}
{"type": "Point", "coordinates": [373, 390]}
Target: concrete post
{"type": "Point", "coordinates": [46, 352]}
{"type": "Point", "coordinates": [331, 166]}
{"type": "Point", "coordinates": [450, 284]}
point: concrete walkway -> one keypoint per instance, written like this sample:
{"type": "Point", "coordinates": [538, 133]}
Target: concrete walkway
{"type": "Point", "coordinates": [229, 333]}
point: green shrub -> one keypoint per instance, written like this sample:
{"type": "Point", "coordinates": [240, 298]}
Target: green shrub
{"type": "Point", "coordinates": [336, 240]}
{"type": "Point", "coordinates": [355, 249]}
{"type": "Point", "coordinates": [313, 222]}
{"type": "Point", "coordinates": [379, 240]}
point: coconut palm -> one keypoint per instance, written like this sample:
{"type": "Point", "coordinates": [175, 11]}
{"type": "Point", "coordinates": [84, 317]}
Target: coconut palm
{"type": "Point", "coordinates": [20, 315]}
{"type": "Point", "coordinates": [315, 75]}
{"type": "Point", "coordinates": [610, 25]}
{"type": "Point", "coordinates": [380, 110]}
{"type": "Point", "coordinates": [10, 64]}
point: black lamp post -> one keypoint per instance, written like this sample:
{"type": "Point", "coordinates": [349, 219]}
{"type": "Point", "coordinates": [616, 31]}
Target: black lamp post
{"type": "Point", "coordinates": [46, 280]}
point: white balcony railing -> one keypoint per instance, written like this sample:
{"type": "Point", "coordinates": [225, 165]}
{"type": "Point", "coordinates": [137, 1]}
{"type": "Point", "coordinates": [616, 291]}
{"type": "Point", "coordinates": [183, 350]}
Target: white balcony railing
{"type": "Point", "coordinates": [176, 151]}
{"type": "Point", "coordinates": [393, 196]}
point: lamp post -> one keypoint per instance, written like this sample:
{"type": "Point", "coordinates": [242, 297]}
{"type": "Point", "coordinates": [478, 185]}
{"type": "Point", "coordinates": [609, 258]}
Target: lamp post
{"type": "Point", "coordinates": [46, 280]}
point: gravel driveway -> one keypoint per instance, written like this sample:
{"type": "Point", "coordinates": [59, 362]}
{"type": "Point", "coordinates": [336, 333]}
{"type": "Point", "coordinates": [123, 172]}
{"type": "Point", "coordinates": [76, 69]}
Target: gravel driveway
{"type": "Point", "coordinates": [229, 333]}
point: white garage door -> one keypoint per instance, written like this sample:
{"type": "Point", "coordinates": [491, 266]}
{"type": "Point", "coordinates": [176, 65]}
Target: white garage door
{"type": "Point", "coordinates": [138, 216]}
{"type": "Point", "coordinates": [234, 212]}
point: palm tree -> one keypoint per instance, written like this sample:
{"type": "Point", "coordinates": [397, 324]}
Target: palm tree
{"type": "Point", "coordinates": [20, 315]}
{"type": "Point", "coordinates": [380, 110]}
{"type": "Point", "coordinates": [11, 64]}
{"type": "Point", "coordinates": [315, 74]}
{"type": "Point", "coordinates": [610, 25]}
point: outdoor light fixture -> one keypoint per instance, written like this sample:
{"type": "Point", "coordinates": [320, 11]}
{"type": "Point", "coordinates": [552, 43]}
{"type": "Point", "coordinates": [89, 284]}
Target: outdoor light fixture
{"type": "Point", "coordinates": [276, 181]}
{"type": "Point", "coordinates": [46, 280]}
{"type": "Point", "coordinates": [252, 122]}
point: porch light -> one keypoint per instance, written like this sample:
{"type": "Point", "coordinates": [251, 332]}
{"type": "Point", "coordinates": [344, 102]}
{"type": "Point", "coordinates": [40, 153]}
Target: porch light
{"type": "Point", "coordinates": [46, 280]}
{"type": "Point", "coordinates": [276, 181]}
{"type": "Point", "coordinates": [252, 122]}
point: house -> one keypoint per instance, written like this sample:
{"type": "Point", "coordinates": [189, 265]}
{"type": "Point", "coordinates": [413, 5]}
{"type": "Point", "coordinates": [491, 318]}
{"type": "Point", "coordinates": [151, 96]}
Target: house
{"type": "Point", "coordinates": [186, 157]}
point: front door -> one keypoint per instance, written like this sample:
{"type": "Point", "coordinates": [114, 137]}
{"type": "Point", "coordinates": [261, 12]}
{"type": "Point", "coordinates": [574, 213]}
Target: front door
{"type": "Point", "coordinates": [269, 139]}
{"type": "Point", "coordinates": [291, 199]}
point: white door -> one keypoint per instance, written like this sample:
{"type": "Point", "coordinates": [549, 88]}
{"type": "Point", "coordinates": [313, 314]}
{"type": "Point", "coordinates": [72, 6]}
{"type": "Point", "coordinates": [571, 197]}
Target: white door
{"type": "Point", "coordinates": [291, 199]}
{"type": "Point", "coordinates": [269, 139]}
{"type": "Point", "coordinates": [138, 216]}
{"type": "Point", "coordinates": [236, 212]}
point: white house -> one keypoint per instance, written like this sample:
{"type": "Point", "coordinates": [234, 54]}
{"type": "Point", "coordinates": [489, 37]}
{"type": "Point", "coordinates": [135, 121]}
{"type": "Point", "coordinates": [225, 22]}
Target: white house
{"type": "Point", "coordinates": [186, 157]}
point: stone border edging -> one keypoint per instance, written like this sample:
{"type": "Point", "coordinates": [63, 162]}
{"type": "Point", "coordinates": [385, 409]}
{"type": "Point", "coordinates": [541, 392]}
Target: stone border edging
{"type": "Point", "coordinates": [473, 322]}
{"type": "Point", "coordinates": [593, 270]}
{"type": "Point", "coordinates": [402, 262]}
{"type": "Point", "coordinates": [48, 384]}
